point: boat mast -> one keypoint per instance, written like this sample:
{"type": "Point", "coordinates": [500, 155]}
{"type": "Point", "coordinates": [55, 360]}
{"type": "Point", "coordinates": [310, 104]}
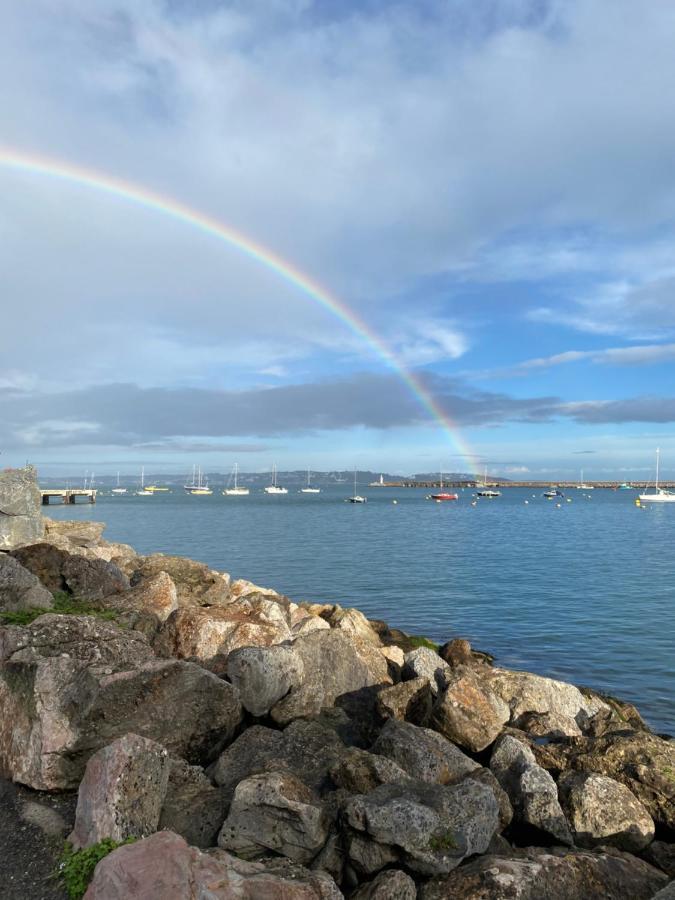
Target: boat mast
{"type": "Point", "coordinates": [656, 486]}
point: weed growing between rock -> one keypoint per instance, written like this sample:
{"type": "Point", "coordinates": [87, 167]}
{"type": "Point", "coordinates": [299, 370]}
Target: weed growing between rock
{"type": "Point", "coordinates": [64, 605]}
{"type": "Point", "coordinates": [77, 866]}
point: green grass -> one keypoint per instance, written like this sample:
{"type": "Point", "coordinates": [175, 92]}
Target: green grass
{"type": "Point", "coordinates": [419, 641]}
{"type": "Point", "coordinates": [445, 841]}
{"type": "Point", "coordinates": [64, 605]}
{"type": "Point", "coordinates": [77, 866]}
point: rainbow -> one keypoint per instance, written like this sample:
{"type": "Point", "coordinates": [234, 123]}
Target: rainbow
{"type": "Point", "coordinates": [174, 209]}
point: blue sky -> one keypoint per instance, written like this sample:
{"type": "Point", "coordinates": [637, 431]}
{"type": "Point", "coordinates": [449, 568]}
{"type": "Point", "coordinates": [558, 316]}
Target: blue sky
{"type": "Point", "coordinates": [489, 185]}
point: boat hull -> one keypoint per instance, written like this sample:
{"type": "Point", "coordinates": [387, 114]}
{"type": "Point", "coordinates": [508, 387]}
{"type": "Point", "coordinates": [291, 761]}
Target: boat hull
{"type": "Point", "coordinates": [443, 497]}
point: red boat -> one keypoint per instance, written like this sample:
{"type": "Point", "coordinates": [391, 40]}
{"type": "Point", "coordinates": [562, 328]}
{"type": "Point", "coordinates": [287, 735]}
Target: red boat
{"type": "Point", "coordinates": [440, 497]}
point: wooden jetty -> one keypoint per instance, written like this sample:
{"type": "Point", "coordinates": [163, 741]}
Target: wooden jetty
{"type": "Point", "coordinates": [68, 495]}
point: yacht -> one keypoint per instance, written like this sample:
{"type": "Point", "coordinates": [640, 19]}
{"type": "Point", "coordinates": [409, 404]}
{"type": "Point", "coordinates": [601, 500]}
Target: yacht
{"type": "Point", "coordinates": [356, 498]}
{"type": "Point", "coordinates": [143, 492]}
{"type": "Point", "coordinates": [235, 491]}
{"type": "Point", "coordinates": [274, 487]}
{"type": "Point", "coordinates": [309, 489]}
{"type": "Point", "coordinates": [660, 495]}
{"type": "Point", "coordinates": [582, 486]}
{"type": "Point", "coordinates": [200, 485]}
{"type": "Point", "coordinates": [442, 495]}
{"type": "Point", "coordinates": [484, 489]}
{"type": "Point", "coordinates": [552, 493]}
{"type": "Point", "coordinates": [118, 489]}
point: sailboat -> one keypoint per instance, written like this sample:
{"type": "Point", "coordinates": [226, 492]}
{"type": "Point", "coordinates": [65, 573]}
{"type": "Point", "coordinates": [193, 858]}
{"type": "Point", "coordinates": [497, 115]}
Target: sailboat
{"type": "Point", "coordinates": [582, 486]}
{"type": "Point", "coordinates": [660, 495]}
{"type": "Point", "coordinates": [235, 491]}
{"type": "Point", "coordinates": [144, 492]}
{"type": "Point", "coordinates": [442, 495]}
{"type": "Point", "coordinates": [356, 498]}
{"type": "Point", "coordinates": [118, 489]}
{"type": "Point", "coordinates": [200, 485]}
{"type": "Point", "coordinates": [484, 490]}
{"type": "Point", "coordinates": [309, 489]}
{"type": "Point", "coordinates": [274, 488]}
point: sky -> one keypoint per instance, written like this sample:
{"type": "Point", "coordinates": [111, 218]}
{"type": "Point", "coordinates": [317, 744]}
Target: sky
{"type": "Point", "coordinates": [489, 187]}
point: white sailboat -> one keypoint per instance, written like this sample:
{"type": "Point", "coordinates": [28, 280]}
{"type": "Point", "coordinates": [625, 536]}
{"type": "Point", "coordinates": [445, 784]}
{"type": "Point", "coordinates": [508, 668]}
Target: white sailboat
{"type": "Point", "coordinates": [274, 487]}
{"type": "Point", "coordinates": [309, 489]}
{"type": "Point", "coordinates": [356, 498]}
{"type": "Point", "coordinates": [484, 490]}
{"type": "Point", "coordinates": [143, 491]}
{"type": "Point", "coordinates": [660, 495]}
{"type": "Point", "coordinates": [118, 489]}
{"type": "Point", "coordinates": [235, 491]}
{"type": "Point", "coordinates": [582, 486]}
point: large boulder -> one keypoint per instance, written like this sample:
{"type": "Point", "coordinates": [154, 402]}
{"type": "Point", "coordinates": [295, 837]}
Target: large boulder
{"type": "Point", "coordinates": [643, 762]}
{"type": "Point", "coordinates": [196, 584]}
{"type": "Point", "coordinates": [122, 792]}
{"type": "Point", "coordinates": [467, 711]}
{"type": "Point", "coordinates": [209, 635]}
{"type": "Point", "coordinates": [307, 749]}
{"type": "Point", "coordinates": [390, 885]}
{"type": "Point", "coordinates": [527, 693]}
{"type": "Point", "coordinates": [155, 596]}
{"type": "Point", "coordinates": [19, 588]}
{"type": "Point", "coordinates": [538, 874]}
{"type": "Point", "coordinates": [334, 665]}
{"type": "Point", "coordinates": [69, 685]}
{"type": "Point", "coordinates": [165, 867]}
{"type": "Point", "coordinates": [58, 570]}
{"type": "Point", "coordinates": [360, 772]}
{"type": "Point", "coordinates": [531, 789]}
{"type": "Point", "coordinates": [20, 517]}
{"type": "Point", "coordinates": [277, 812]}
{"type": "Point", "coordinates": [46, 562]}
{"type": "Point", "coordinates": [409, 700]}
{"type": "Point", "coordinates": [423, 662]}
{"type": "Point", "coordinates": [353, 622]}
{"type": "Point", "coordinates": [192, 806]}
{"type": "Point", "coordinates": [431, 828]}
{"type": "Point", "coordinates": [601, 811]}
{"type": "Point", "coordinates": [263, 675]}
{"type": "Point", "coordinates": [422, 753]}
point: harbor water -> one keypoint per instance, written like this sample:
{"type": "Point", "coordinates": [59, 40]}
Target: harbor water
{"type": "Point", "coordinates": [582, 591]}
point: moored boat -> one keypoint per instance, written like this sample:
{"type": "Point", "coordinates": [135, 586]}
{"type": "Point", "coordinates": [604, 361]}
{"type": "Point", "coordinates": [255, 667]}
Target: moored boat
{"type": "Point", "coordinates": [660, 495]}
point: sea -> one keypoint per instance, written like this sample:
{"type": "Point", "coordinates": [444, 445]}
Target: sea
{"type": "Point", "coordinates": [581, 588]}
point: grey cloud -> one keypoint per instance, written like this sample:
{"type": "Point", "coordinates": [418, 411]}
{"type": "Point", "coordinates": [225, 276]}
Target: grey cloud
{"type": "Point", "coordinates": [632, 409]}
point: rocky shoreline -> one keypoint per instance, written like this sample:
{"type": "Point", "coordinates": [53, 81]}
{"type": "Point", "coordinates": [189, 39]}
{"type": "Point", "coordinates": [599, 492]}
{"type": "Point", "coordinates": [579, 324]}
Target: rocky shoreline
{"type": "Point", "coordinates": [254, 747]}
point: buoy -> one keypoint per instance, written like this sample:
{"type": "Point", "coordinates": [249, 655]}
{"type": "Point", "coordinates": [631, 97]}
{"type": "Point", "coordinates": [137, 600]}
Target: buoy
{"type": "Point", "coordinates": [569, 499]}
{"type": "Point", "coordinates": [473, 502]}
{"type": "Point", "coordinates": [558, 505]}
{"type": "Point", "coordinates": [394, 502]}
{"type": "Point", "coordinates": [526, 502]}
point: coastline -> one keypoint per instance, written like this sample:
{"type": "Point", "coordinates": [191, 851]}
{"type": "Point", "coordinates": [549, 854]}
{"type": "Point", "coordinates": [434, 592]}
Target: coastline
{"type": "Point", "coordinates": [306, 749]}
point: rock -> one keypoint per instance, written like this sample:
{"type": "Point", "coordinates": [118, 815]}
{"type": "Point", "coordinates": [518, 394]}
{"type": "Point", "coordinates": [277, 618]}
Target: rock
{"type": "Point", "coordinates": [155, 596]}
{"type": "Point", "coordinates": [456, 653]}
{"type": "Point", "coordinates": [45, 562]}
{"type": "Point", "coordinates": [122, 792]}
{"type": "Point", "coordinates": [666, 893]}
{"type": "Point", "coordinates": [263, 675]}
{"type": "Point", "coordinates": [601, 811]}
{"type": "Point", "coordinates": [433, 827]}
{"type": "Point", "coordinates": [549, 725]}
{"type": "Point", "coordinates": [334, 665]}
{"type": "Point", "coordinates": [353, 622]}
{"type": "Point", "coordinates": [305, 748]}
{"type": "Point", "coordinates": [77, 533]}
{"type": "Point", "coordinates": [69, 685]}
{"type": "Point", "coordinates": [643, 762]}
{"type": "Point", "coordinates": [422, 753]}
{"type": "Point", "coordinates": [539, 874]}
{"type": "Point", "coordinates": [93, 579]}
{"type": "Point", "coordinates": [307, 624]}
{"type": "Point", "coordinates": [278, 812]}
{"type": "Point", "coordinates": [394, 655]}
{"type": "Point", "coordinates": [19, 588]}
{"type": "Point", "coordinates": [531, 789]}
{"type": "Point", "coordinates": [359, 772]}
{"type": "Point", "coordinates": [526, 693]}
{"type": "Point", "coordinates": [196, 584]}
{"type": "Point", "coordinates": [468, 712]}
{"type": "Point", "coordinates": [425, 662]}
{"type": "Point", "coordinates": [193, 807]}
{"type": "Point", "coordinates": [164, 867]}
{"type": "Point", "coordinates": [408, 700]}
{"type": "Point", "coordinates": [390, 885]}
{"type": "Point", "coordinates": [242, 588]}
{"type": "Point", "coordinates": [209, 635]}
{"type": "Point", "coordinates": [485, 776]}
{"type": "Point", "coordinates": [661, 855]}
{"type": "Point", "coordinates": [20, 517]}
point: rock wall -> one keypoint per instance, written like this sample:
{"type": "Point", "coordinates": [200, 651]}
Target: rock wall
{"type": "Point", "coordinates": [20, 513]}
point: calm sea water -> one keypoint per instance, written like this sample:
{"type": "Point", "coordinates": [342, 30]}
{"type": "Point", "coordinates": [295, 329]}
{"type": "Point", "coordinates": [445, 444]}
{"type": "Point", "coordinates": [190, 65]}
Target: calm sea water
{"type": "Point", "coordinates": [584, 592]}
